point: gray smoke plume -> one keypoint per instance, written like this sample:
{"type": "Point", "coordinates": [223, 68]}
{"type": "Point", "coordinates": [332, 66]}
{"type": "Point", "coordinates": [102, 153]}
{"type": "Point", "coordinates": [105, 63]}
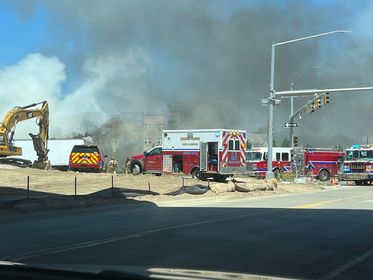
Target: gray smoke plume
{"type": "Point", "coordinates": [211, 59]}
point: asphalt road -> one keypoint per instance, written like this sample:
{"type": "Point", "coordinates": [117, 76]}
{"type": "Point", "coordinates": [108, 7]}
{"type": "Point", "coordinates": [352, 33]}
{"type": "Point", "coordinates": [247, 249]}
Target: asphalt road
{"type": "Point", "coordinates": [323, 235]}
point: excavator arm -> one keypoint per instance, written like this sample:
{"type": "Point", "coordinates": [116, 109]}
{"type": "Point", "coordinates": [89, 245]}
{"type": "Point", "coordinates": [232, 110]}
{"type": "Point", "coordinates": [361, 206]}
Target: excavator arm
{"type": "Point", "coordinates": [19, 114]}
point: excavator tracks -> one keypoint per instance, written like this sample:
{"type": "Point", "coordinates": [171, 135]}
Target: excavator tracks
{"type": "Point", "coordinates": [19, 162]}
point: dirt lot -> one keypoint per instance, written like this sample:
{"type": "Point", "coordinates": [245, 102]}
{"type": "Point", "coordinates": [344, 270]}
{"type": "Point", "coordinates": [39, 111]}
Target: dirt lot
{"type": "Point", "coordinates": [52, 182]}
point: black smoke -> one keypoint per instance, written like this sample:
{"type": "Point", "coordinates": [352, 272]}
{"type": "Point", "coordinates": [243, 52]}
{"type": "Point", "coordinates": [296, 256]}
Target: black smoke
{"type": "Point", "coordinates": [211, 59]}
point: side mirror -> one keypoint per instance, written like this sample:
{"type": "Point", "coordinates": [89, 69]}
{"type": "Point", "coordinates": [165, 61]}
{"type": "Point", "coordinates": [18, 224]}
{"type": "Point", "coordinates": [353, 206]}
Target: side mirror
{"type": "Point", "coordinates": [145, 153]}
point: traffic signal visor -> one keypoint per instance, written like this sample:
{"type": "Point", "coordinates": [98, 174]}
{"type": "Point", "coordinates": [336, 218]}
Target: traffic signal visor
{"type": "Point", "coordinates": [318, 103]}
{"type": "Point", "coordinates": [295, 141]}
{"type": "Point", "coordinates": [326, 98]}
{"type": "Point", "coordinates": [311, 107]}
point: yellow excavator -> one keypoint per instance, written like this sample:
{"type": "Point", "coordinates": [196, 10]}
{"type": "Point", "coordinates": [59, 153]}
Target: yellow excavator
{"type": "Point", "coordinates": [40, 140]}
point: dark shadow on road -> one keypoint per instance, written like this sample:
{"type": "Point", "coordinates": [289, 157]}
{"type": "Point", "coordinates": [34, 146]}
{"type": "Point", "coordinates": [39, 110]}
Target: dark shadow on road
{"type": "Point", "coordinates": [19, 200]}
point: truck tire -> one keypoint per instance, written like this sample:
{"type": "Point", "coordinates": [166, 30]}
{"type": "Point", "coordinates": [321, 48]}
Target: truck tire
{"type": "Point", "coordinates": [136, 169]}
{"type": "Point", "coordinates": [324, 175]}
{"type": "Point", "coordinates": [358, 183]}
{"type": "Point", "coordinates": [196, 173]}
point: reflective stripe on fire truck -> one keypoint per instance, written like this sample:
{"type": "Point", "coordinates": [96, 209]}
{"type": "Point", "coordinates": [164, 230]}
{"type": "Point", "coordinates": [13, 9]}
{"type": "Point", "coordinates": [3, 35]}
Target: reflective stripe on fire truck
{"type": "Point", "coordinates": [84, 158]}
{"type": "Point", "coordinates": [232, 135]}
{"type": "Point", "coordinates": [242, 150]}
{"type": "Point", "coordinates": [313, 163]}
{"type": "Point", "coordinates": [225, 149]}
{"type": "Point", "coordinates": [286, 168]}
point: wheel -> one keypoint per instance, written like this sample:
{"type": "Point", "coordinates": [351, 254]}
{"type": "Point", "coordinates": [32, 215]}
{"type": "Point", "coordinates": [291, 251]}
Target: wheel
{"type": "Point", "coordinates": [196, 173]}
{"type": "Point", "coordinates": [277, 173]}
{"type": "Point", "coordinates": [158, 174]}
{"type": "Point", "coordinates": [136, 169]}
{"type": "Point", "coordinates": [324, 175]}
{"type": "Point", "coordinates": [358, 183]}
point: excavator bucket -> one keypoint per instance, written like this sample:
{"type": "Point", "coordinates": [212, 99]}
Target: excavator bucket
{"type": "Point", "coordinates": [42, 152]}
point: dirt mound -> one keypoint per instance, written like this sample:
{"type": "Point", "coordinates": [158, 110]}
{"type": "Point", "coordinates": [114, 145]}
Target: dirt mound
{"type": "Point", "coordinates": [222, 187]}
{"type": "Point", "coordinates": [7, 166]}
{"type": "Point", "coordinates": [250, 186]}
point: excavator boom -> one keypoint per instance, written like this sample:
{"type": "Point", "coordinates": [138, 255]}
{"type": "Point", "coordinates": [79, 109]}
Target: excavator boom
{"type": "Point", "coordinates": [19, 114]}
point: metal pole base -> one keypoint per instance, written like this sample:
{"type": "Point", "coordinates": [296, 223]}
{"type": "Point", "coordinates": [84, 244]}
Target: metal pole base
{"type": "Point", "coordinates": [270, 175]}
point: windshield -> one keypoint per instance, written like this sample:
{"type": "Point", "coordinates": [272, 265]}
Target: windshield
{"type": "Point", "coordinates": [155, 151]}
{"type": "Point", "coordinates": [188, 135]}
{"type": "Point", "coordinates": [352, 154]}
{"type": "Point", "coordinates": [253, 156]}
{"type": "Point", "coordinates": [366, 155]}
{"type": "Point", "coordinates": [85, 149]}
{"type": "Point", "coordinates": [361, 155]}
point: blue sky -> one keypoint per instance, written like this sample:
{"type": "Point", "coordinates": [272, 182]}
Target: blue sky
{"type": "Point", "coordinates": [20, 36]}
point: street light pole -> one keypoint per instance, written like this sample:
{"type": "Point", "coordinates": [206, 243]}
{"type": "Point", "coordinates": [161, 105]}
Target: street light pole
{"type": "Point", "coordinates": [272, 94]}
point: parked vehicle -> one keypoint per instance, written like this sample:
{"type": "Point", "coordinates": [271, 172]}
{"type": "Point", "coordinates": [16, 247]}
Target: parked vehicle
{"type": "Point", "coordinates": [358, 165]}
{"type": "Point", "coordinates": [318, 162]}
{"type": "Point", "coordinates": [257, 161]}
{"type": "Point", "coordinates": [59, 151]}
{"type": "Point", "coordinates": [86, 158]}
{"type": "Point", "coordinates": [203, 153]}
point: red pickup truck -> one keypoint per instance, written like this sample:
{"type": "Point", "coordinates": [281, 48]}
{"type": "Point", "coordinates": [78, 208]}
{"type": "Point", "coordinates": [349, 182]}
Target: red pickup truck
{"type": "Point", "coordinates": [150, 161]}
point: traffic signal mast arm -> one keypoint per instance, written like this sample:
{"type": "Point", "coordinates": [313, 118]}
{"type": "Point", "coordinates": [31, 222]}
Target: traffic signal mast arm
{"type": "Point", "coordinates": [313, 104]}
{"type": "Point", "coordinates": [299, 111]}
{"type": "Point", "coordinates": [324, 95]}
{"type": "Point", "coordinates": [304, 107]}
{"type": "Point", "coordinates": [308, 92]}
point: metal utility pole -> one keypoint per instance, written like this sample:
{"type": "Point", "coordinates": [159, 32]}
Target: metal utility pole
{"type": "Point", "coordinates": [272, 94]}
{"type": "Point", "coordinates": [291, 119]}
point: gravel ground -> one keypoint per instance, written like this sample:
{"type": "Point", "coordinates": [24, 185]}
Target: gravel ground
{"type": "Point", "coordinates": [51, 183]}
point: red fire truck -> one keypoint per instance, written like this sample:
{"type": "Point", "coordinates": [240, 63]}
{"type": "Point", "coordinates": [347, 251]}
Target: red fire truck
{"type": "Point", "coordinates": [203, 153]}
{"type": "Point", "coordinates": [257, 161]}
{"type": "Point", "coordinates": [358, 165]}
{"type": "Point", "coordinates": [318, 162]}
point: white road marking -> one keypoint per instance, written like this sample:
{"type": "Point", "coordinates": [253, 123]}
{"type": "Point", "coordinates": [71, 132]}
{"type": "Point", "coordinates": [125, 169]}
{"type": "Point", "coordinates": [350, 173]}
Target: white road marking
{"type": "Point", "coordinates": [93, 243]}
{"type": "Point", "coordinates": [343, 268]}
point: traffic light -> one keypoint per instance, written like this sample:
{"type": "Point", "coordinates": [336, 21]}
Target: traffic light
{"type": "Point", "coordinates": [326, 98]}
{"type": "Point", "coordinates": [295, 141]}
{"type": "Point", "coordinates": [311, 106]}
{"type": "Point", "coordinates": [317, 102]}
